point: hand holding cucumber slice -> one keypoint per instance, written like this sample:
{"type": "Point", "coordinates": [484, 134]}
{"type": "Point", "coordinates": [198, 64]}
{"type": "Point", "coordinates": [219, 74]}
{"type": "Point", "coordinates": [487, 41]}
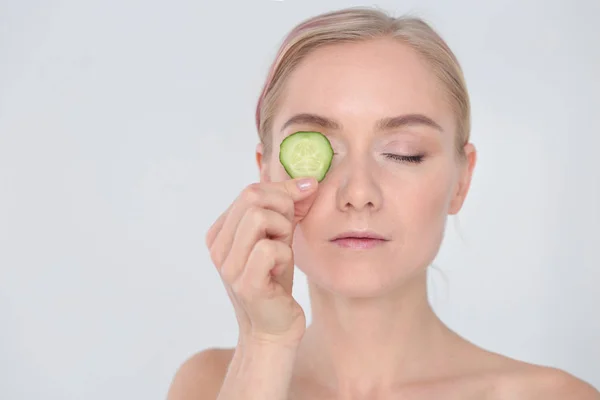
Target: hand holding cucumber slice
{"type": "Point", "coordinates": [306, 154]}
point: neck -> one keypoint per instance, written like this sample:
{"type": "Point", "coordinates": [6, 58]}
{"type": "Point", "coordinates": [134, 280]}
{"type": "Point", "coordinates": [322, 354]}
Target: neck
{"type": "Point", "coordinates": [366, 345]}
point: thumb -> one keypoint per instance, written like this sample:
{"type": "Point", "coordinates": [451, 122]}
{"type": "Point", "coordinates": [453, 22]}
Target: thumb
{"type": "Point", "coordinates": [303, 193]}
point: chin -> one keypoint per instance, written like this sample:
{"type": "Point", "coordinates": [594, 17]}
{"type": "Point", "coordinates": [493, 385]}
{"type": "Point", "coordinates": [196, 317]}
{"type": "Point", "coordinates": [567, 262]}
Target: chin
{"type": "Point", "coordinates": [358, 277]}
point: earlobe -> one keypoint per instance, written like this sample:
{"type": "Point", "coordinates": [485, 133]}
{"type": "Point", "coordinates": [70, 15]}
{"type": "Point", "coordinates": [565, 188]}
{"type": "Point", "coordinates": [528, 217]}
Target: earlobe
{"type": "Point", "coordinates": [259, 155]}
{"type": "Point", "coordinates": [262, 164]}
{"type": "Point", "coordinates": [464, 182]}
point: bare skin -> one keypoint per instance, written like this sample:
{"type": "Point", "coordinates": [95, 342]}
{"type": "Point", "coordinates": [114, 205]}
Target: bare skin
{"type": "Point", "coordinates": [373, 333]}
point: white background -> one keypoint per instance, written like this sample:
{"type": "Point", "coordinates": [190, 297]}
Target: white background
{"type": "Point", "coordinates": [127, 127]}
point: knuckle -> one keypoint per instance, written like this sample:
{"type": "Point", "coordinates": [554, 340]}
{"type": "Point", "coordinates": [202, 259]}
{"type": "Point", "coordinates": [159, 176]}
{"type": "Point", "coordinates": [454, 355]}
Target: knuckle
{"type": "Point", "coordinates": [289, 228]}
{"type": "Point", "coordinates": [252, 193]}
{"type": "Point", "coordinates": [210, 237]}
{"type": "Point", "coordinates": [216, 256]}
{"type": "Point", "coordinates": [286, 230]}
{"type": "Point", "coordinates": [227, 275]}
{"type": "Point", "coordinates": [257, 216]}
{"type": "Point", "coordinates": [243, 291]}
{"type": "Point", "coordinates": [236, 288]}
{"type": "Point", "coordinates": [266, 248]}
{"type": "Point", "coordinates": [287, 254]}
{"type": "Point", "coordinates": [282, 253]}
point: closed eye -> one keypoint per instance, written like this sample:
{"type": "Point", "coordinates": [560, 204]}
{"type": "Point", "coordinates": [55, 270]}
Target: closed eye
{"type": "Point", "coordinates": [416, 159]}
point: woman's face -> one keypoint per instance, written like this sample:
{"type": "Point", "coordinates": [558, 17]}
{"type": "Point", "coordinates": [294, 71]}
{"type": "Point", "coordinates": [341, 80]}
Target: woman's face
{"type": "Point", "coordinates": [377, 102]}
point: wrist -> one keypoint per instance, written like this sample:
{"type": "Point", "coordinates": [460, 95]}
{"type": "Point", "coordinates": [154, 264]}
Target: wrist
{"type": "Point", "coordinates": [269, 343]}
{"type": "Point", "coordinates": [267, 353]}
{"type": "Point", "coordinates": [259, 370]}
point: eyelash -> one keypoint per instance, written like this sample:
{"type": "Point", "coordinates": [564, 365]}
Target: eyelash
{"type": "Point", "coordinates": [409, 159]}
{"type": "Point", "coordinates": [400, 158]}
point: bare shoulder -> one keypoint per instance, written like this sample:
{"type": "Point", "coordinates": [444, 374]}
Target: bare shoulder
{"type": "Point", "coordinates": [536, 382]}
{"type": "Point", "coordinates": [200, 377]}
{"type": "Point", "coordinates": [504, 377]}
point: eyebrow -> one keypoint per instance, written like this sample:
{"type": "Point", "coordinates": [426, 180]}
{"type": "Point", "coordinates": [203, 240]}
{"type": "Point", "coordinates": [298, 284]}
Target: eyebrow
{"type": "Point", "coordinates": [312, 119]}
{"type": "Point", "coordinates": [383, 124]}
{"type": "Point", "coordinates": [405, 120]}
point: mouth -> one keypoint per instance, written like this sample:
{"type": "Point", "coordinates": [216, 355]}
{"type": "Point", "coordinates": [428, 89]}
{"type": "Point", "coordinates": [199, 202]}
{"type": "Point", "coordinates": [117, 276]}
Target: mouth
{"type": "Point", "coordinates": [359, 240]}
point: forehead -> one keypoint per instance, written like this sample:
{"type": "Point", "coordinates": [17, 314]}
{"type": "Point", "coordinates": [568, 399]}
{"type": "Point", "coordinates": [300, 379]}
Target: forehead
{"type": "Point", "coordinates": [359, 83]}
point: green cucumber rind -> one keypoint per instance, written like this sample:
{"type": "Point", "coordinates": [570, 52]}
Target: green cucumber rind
{"type": "Point", "coordinates": [326, 141]}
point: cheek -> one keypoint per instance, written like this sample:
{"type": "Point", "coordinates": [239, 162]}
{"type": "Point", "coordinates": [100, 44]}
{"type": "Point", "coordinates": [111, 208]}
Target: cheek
{"type": "Point", "coordinates": [303, 252]}
{"type": "Point", "coordinates": [275, 169]}
{"type": "Point", "coordinates": [311, 235]}
{"type": "Point", "coordinates": [426, 206]}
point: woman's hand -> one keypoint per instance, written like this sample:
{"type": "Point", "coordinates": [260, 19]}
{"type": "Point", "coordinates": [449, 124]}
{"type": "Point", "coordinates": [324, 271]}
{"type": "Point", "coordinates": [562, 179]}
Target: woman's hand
{"type": "Point", "coordinates": [250, 244]}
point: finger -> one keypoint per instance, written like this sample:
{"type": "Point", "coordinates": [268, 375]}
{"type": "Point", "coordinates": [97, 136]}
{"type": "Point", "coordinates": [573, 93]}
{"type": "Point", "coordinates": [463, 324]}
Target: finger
{"type": "Point", "coordinates": [256, 279]}
{"type": "Point", "coordinates": [216, 227]}
{"type": "Point", "coordinates": [256, 224]}
{"type": "Point", "coordinates": [298, 189]}
{"type": "Point", "coordinates": [284, 274]}
{"type": "Point", "coordinates": [277, 200]}
{"type": "Point", "coordinates": [255, 195]}
{"type": "Point", "coordinates": [303, 193]}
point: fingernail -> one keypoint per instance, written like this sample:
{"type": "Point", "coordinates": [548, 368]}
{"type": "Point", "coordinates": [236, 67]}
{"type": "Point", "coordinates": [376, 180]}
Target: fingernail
{"type": "Point", "coordinates": [305, 184]}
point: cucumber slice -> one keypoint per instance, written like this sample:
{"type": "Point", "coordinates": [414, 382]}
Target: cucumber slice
{"type": "Point", "coordinates": [306, 154]}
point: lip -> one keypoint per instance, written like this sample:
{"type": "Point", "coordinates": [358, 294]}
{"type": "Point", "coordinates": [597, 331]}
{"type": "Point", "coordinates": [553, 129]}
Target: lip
{"type": "Point", "coordinates": [357, 235]}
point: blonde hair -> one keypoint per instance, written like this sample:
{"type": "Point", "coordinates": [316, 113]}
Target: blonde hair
{"type": "Point", "coordinates": [360, 24]}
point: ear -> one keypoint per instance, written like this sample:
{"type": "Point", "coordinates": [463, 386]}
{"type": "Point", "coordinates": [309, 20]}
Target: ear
{"type": "Point", "coordinates": [464, 179]}
{"type": "Point", "coordinates": [262, 163]}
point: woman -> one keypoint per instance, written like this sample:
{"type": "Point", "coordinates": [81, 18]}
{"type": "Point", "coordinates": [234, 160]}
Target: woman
{"type": "Point", "coordinates": [390, 96]}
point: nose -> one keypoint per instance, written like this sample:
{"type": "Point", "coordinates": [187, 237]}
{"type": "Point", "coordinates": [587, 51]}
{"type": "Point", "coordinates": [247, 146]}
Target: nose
{"type": "Point", "coordinates": [358, 188]}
